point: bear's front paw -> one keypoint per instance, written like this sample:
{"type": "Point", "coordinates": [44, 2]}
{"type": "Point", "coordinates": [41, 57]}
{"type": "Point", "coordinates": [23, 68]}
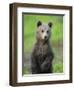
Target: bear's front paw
{"type": "Point", "coordinates": [45, 67]}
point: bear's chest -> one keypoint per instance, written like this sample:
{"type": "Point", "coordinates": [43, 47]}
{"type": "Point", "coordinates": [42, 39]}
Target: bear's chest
{"type": "Point", "coordinates": [42, 50]}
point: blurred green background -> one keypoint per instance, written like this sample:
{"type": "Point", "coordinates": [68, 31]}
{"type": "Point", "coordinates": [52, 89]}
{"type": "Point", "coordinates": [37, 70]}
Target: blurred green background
{"type": "Point", "coordinates": [29, 26]}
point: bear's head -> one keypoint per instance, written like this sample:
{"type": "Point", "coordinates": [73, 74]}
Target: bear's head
{"type": "Point", "coordinates": [43, 31]}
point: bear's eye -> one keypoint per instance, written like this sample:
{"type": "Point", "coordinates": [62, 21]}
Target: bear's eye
{"type": "Point", "coordinates": [42, 31]}
{"type": "Point", "coordinates": [47, 31]}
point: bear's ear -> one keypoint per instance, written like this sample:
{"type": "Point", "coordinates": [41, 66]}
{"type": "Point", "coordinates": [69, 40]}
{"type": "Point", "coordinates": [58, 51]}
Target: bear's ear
{"type": "Point", "coordinates": [39, 23]}
{"type": "Point", "coordinates": [50, 24]}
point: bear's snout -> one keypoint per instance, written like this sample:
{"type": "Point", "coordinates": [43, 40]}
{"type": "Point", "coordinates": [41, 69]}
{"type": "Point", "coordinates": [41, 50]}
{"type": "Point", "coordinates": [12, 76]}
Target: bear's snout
{"type": "Point", "coordinates": [45, 37]}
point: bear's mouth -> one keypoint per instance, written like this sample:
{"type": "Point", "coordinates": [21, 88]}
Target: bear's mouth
{"type": "Point", "coordinates": [45, 40]}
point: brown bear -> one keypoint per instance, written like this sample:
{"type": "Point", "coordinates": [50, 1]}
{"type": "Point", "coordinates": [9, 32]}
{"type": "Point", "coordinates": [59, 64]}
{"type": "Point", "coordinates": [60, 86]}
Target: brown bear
{"type": "Point", "coordinates": [42, 55]}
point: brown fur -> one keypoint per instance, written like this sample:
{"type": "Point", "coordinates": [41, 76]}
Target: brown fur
{"type": "Point", "coordinates": [42, 54]}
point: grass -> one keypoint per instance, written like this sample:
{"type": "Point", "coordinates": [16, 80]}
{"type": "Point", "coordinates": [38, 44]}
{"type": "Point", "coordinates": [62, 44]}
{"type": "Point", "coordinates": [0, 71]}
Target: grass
{"type": "Point", "coordinates": [30, 22]}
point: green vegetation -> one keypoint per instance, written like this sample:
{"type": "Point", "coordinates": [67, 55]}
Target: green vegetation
{"type": "Point", "coordinates": [29, 26]}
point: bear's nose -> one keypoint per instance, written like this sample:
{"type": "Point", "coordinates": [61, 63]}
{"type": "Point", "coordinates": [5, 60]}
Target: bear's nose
{"type": "Point", "coordinates": [45, 37]}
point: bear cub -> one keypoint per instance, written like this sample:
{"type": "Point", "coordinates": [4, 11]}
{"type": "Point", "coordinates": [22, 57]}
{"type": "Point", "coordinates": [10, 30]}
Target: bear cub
{"type": "Point", "coordinates": [42, 55]}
